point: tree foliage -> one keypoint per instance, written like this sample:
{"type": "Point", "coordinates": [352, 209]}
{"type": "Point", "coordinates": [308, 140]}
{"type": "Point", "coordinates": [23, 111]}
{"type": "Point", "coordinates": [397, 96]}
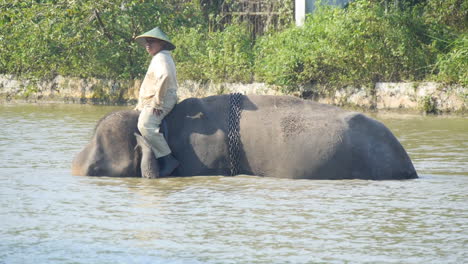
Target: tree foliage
{"type": "Point", "coordinates": [83, 37]}
{"type": "Point", "coordinates": [366, 42]}
{"type": "Point", "coordinates": [217, 56]}
{"type": "Point", "coordinates": [358, 45]}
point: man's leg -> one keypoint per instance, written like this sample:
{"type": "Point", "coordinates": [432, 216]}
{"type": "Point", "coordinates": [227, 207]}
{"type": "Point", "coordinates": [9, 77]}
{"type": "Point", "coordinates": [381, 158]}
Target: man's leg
{"type": "Point", "coordinates": [148, 125]}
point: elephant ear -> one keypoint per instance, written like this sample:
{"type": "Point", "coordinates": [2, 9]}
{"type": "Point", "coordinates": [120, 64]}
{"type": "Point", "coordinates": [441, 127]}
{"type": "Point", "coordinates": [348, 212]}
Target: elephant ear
{"type": "Point", "coordinates": [148, 165]}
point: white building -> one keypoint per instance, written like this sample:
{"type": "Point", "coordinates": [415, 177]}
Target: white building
{"type": "Point", "coordinates": [303, 7]}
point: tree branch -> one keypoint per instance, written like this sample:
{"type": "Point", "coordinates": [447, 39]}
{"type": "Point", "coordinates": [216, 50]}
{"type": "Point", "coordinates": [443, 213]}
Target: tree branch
{"type": "Point", "coordinates": [103, 28]}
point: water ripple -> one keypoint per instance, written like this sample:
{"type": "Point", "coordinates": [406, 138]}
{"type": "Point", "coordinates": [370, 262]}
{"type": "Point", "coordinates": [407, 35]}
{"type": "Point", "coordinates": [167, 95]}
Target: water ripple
{"type": "Point", "coordinates": [49, 216]}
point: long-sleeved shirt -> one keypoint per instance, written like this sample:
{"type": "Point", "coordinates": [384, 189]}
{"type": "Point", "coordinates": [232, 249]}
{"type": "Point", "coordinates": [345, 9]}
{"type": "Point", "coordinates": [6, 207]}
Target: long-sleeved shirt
{"type": "Point", "coordinates": [159, 88]}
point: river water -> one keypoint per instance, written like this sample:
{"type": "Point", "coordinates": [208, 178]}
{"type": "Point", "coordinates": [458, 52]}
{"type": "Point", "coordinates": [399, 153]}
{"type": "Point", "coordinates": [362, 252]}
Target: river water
{"type": "Point", "coordinates": [49, 216]}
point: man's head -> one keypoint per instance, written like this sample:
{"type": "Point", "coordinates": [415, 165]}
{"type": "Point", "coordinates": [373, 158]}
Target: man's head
{"type": "Point", "coordinates": [154, 41]}
{"type": "Point", "coordinates": [153, 45]}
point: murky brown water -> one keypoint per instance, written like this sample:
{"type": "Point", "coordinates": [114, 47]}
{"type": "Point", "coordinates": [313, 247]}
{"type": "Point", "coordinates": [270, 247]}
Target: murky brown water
{"type": "Point", "coordinates": [49, 216]}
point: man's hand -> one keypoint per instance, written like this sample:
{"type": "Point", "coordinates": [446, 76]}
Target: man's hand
{"type": "Point", "coordinates": [157, 112]}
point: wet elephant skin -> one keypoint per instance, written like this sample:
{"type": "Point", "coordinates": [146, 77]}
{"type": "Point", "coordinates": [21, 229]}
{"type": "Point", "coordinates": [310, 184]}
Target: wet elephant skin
{"type": "Point", "coordinates": [281, 136]}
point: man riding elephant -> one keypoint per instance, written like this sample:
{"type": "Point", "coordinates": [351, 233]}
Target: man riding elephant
{"type": "Point", "coordinates": [277, 136]}
{"type": "Point", "coordinates": [157, 96]}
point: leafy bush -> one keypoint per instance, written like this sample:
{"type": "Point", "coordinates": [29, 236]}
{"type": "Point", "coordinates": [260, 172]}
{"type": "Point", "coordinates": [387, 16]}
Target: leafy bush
{"type": "Point", "coordinates": [223, 56]}
{"type": "Point", "coordinates": [452, 67]}
{"type": "Point", "coordinates": [366, 42]}
{"type": "Point", "coordinates": [86, 38]}
{"type": "Point", "coordinates": [355, 46]}
{"type": "Point", "coordinates": [428, 105]}
{"type": "Point", "coordinates": [448, 13]}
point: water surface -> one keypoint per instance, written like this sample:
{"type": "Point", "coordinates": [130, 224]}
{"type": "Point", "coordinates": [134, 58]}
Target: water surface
{"type": "Point", "coordinates": [49, 216]}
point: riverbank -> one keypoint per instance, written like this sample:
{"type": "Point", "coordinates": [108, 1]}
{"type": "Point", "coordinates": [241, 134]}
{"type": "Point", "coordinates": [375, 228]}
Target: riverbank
{"type": "Point", "coordinates": [427, 97]}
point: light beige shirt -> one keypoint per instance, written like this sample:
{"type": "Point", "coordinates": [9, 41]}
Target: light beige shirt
{"type": "Point", "coordinates": [159, 88]}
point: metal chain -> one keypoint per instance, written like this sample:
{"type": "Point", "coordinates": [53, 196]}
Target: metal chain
{"type": "Point", "coordinates": [235, 110]}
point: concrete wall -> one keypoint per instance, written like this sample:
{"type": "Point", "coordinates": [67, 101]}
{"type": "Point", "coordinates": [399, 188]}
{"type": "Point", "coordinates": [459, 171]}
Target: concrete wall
{"type": "Point", "coordinates": [384, 96]}
{"type": "Point", "coordinates": [101, 91]}
{"type": "Point", "coordinates": [410, 96]}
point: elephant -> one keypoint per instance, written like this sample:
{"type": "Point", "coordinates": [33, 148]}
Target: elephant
{"type": "Point", "coordinates": [279, 136]}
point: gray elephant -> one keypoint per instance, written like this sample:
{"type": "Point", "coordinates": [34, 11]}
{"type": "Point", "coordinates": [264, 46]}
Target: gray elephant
{"type": "Point", "coordinates": [279, 136]}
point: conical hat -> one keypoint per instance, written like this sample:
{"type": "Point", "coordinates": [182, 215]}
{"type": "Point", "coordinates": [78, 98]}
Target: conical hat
{"type": "Point", "coordinates": [156, 33]}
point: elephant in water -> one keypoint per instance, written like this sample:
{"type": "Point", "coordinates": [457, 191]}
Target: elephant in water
{"type": "Point", "coordinates": [280, 136]}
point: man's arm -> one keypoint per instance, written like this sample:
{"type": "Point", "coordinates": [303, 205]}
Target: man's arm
{"type": "Point", "coordinates": [161, 83]}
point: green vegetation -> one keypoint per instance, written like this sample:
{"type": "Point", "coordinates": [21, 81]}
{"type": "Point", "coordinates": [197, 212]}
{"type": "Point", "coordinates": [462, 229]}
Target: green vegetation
{"type": "Point", "coordinates": [356, 46]}
{"type": "Point", "coordinates": [220, 56]}
{"type": "Point", "coordinates": [83, 38]}
{"type": "Point", "coordinates": [453, 66]}
{"type": "Point", "coordinates": [366, 42]}
{"type": "Point", "coordinates": [428, 105]}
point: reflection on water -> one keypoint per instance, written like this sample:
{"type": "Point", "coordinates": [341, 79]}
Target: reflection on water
{"type": "Point", "coordinates": [49, 216]}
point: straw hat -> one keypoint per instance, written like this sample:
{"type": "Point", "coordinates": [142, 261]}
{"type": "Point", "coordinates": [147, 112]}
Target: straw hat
{"type": "Point", "coordinates": [156, 33]}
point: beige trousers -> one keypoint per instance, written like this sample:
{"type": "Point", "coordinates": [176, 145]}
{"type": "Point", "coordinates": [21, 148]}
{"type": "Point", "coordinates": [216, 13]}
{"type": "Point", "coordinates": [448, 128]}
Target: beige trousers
{"type": "Point", "coordinates": [148, 125]}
